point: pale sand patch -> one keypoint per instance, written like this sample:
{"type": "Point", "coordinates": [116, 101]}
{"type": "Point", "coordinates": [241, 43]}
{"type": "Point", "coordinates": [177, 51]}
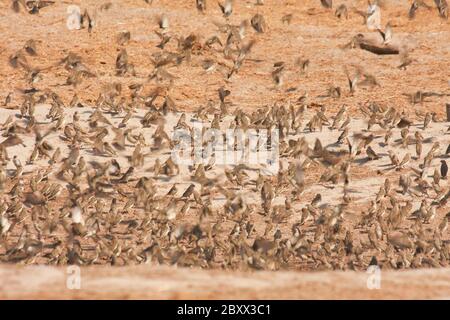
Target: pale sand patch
{"type": "Point", "coordinates": [146, 282]}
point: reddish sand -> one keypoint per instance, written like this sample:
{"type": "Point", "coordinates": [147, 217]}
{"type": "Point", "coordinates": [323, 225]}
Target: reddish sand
{"type": "Point", "coordinates": [314, 34]}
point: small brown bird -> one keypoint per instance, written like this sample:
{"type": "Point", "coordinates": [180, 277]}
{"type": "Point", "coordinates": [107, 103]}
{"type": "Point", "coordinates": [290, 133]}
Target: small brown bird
{"type": "Point", "coordinates": [400, 240]}
{"type": "Point", "coordinates": [416, 5]}
{"type": "Point", "coordinates": [277, 76]}
{"type": "Point", "coordinates": [341, 11]}
{"type": "Point", "coordinates": [223, 93]}
{"type": "Point", "coordinates": [444, 169]}
{"type": "Point", "coordinates": [394, 159]}
{"type": "Point", "coordinates": [189, 191]}
{"type": "Point", "coordinates": [404, 123]}
{"type": "Point", "coordinates": [371, 154]}
{"type": "Point", "coordinates": [413, 9]}
{"type": "Point", "coordinates": [164, 39]}
{"type": "Point", "coordinates": [267, 195]}
{"type": "Point", "coordinates": [87, 18]}
{"type": "Point", "coordinates": [7, 99]}
{"type": "Point", "coordinates": [226, 8]}
{"type": "Point", "coordinates": [32, 7]}
{"type": "Point", "coordinates": [386, 34]}
{"type": "Point", "coordinates": [427, 120]}
{"type": "Point", "coordinates": [172, 191]}
{"type": "Point", "coordinates": [405, 60]}
{"type": "Point", "coordinates": [418, 149]}
{"type": "Point", "coordinates": [303, 64]}
{"type": "Point", "coordinates": [30, 47]}
{"type": "Point", "coordinates": [16, 5]}
{"type": "Point", "coordinates": [212, 40]}
{"type": "Point", "coordinates": [201, 5]}
{"type": "Point", "coordinates": [352, 79]}
{"type": "Point", "coordinates": [405, 160]}
{"type": "Point", "coordinates": [327, 3]}
{"type": "Point", "coordinates": [442, 6]}
{"type": "Point", "coordinates": [126, 176]}
{"type": "Point", "coordinates": [163, 21]}
{"type": "Point", "coordinates": [18, 59]}
{"type": "Point", "coordinates": [123, 38]}
{"type": "Point", "coordinates": [287, 18]}
{"type": "Point", "coordinates": [11, 141]}
{"type": "Point", "coordinates": [258, 23]}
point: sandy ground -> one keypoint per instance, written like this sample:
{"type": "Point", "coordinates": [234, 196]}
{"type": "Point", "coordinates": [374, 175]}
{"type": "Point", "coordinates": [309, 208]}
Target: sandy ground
{"type": "Point", "coordinates": [143, 282]}
{"type": "Point", "coordinates": [314, 34]}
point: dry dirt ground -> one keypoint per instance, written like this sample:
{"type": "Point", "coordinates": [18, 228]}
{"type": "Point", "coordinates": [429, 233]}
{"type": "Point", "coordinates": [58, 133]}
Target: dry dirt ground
{"type": "Point", "coordinates": [143, 282]}
{"type": "Point", "coordinates": [315, 34]}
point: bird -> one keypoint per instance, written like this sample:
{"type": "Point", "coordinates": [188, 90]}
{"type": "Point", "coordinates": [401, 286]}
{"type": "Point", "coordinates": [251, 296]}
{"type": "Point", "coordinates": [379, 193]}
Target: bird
{"type": "Point", "coordinates": [287, 18]}
{"type": "Point", "coordinates": [32, 7]}
{"type": "Point", "coordinates": [163, 21]}
{"type": "Point", "coordinates": [212, 40]}
{"type": "Point", "coordinates": [30, 47]}
{"type": "Point", "coordinates": [444, 169]}
{"type": "Point", "coordinates": [86, 17]}
{"type": "Point", "coordinates": [371, 154]}
{"type": "Point", "coordinates": [442, 6]}
{"type": "Point", "coordinates": [352, 80]}
{"type": "Point", "coordinates": [164, 39]}
{"type": "Point", "coordinates": [172, 191]}
{"type": "Point", "coordinates": [327, 3]}
{"type": "Point", "coordinates": [226, 8]}
{"type": "Point", "coordinates": [303, 64]}
{"type": "Point", "coordinates": [208, 65]}
{"type": "Point", "coordinates": [341, 11]}
{"type": "Point", "coordinates": [258, 23]}
{"type": "Point", "coordinates": [405, 60]}
{"type": "Point", "coordinates": [412, 10]}
{"type": "Point", "coordinates": [404, 161]}
{"type": "Point", "coordinates": [7, 99]}
{"type": "Point", "coordinates": [267, 195]}
{"type": "Point", "coordinates": [277, 76]}
{"type": "Point", "coordinates": [123, 37]}
{"type": "Point", "coordinates": [400, 240]}
{"type": "Point", "coordinates": [223, 93]}
{"type": "Point", "coordinates": [15, 5]}
{"type": "Point", "coordinates": [386, 34]}
{"type": "Point", "coordinates": [126, 176]}
{"type": "Point", "coordinates": [11, 141]}
{"type": "Point", "coordinates": [189, 191]}
{"type": "Point", "coordinates": [200, 5]}
{"type": "Point", "coordinates": [373, 16]}
{"type": "Point", "coordinates": [416, 4]}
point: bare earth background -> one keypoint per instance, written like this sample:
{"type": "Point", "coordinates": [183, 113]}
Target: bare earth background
{"type": "Point", "coordinates": [42, 282]}
{"type": "Point", "coordinates": [313, 34]}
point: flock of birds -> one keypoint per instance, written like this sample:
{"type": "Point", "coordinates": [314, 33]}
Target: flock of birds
{"type": "Point", "coordinates": [98, 201]}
